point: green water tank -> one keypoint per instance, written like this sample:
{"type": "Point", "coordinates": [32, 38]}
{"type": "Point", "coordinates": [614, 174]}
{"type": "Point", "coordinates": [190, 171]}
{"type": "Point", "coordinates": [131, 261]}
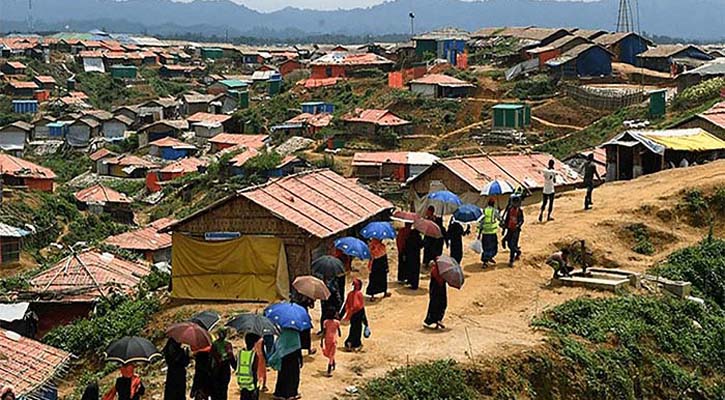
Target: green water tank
{"type": "Point", "coordinates": [658, 103]}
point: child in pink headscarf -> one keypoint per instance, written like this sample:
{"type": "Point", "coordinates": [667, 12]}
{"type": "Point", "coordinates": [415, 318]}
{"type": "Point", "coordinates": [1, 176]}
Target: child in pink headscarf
{"type": "Point", "coordinates": [329, 341]}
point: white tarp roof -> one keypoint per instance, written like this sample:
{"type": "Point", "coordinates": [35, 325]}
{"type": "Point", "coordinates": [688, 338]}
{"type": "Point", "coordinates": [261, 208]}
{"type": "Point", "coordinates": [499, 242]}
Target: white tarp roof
{"type": "Point", "coordinates": [13, 312]}
{"type": "Point", "coordinates": [421, 158]}
{"type": "Point", "coordinates": [93, 65]}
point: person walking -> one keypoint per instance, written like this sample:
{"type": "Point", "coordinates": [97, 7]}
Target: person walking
{"type": "Point", "coordinates": [513, 221]}
{"type": "Point", "coordinates": [487, 229]}
{"type": "Point", "coordinates": [328, 343]}
{"type": "Point", "coordinates": [91, 392]}
{"type": "Point", "coordinates": [437, 300]}
{"type": "Point", "coordinates": [223, 363]}
{"type": "Point", "coordinates": [400, 241]}
{"type": "Point", "coordinates": [550, 175]}
{"type": "Point", "coordinates": [378, 281]}
{"type": "Point", "coordinates": [331, 306]}
{"type": "Point", "coordinates": [127, 387]}
{"type": "Point", "coordinates": [306, 335]}
{"type": "Point", "coordinates": [355, 313]}
{"type": "Point", "coordinates": [412, 259]}
{"type": "Point", "coordinates": [287, 359]}
{"type": "Point", "coordinates": [590, 171]}
{"type": "Point", "coordinates": [177, 359]}
{"type": "Point", "coordinates": [201, 385]}
{"type": "Point", "coordinates": [247, 373]}
{"type": "Point", "coordinates": [455, 238]}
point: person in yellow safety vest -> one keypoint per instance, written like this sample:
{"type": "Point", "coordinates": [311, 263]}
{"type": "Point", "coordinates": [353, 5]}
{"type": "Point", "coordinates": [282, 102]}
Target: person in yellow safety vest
{"type": "Point", "coordinates": [246, 374]}
{"type": "Point", "coordinates": [487, 230]}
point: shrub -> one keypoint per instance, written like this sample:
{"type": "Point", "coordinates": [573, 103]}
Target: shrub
{"type": "Point", "coordinates": [702, 265]}
{"type": "Point", "coordinates": [535, 87]}
{"type": "Point", "coordinates": [121, 317]}
{"type": "Point", "coordinates": [642, 244]}
{"type": "Point", "coordinates": [67, 164]}
{"type": "Point", "coordinates": [437, 380]}
{"type": "Point", "coordinates": [698, 94]}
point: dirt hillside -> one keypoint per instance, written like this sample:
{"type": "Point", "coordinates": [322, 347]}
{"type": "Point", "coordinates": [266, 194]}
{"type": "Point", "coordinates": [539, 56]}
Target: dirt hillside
{"type": "Point", "coordinates": [491, 315]}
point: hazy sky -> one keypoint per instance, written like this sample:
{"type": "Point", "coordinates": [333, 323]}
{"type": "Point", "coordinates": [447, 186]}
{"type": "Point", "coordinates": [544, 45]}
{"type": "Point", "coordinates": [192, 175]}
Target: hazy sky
{"type": "Point", "coordinates": [271, 5]}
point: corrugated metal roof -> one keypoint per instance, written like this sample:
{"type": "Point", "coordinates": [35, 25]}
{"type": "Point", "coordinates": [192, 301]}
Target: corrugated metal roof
{"type": "Point", "coordinates": [666, 50]}
{"type": "Point", "coordinates": [517, 169]}
{"type": "Point", "coordinates": [394, 157]}
{"type": "Point", "coordinates": [23, 85]}
{"type": "Point", "coordinates": [100, 194]}
{"type": "Point", "coordinates": [441, 80]}
{"type": "Point", "coordinates": [148, 238]}
{"type": "Point", "coordinates": [208, 118]}
{"type": "Point", "coordinates": [184, 166]}
{"type": "Point", "coordinates": [377, 117]}
{"type": "Point", "coordinates": [252, 141]}
{"type": "Point", "coordinates": [658, 141]}
{"type": "Point", "coordinates": [18, 167]}
{"type": "Point", "coordinates": [87, 276]}
{"type": "Point", "coordinates": [319, 202]}
{"type": "Point", "coordinates": [320, 120]}
{"type": "Point", "coordinates": [98, 154]}
{"type": "Point", "coordinates": [173, 143]}
{"type": "Point", "coordinates": [128, 160]}
{"type": "Point", "coordinates": [716, 115]}
{"type": "Point", "coordinates": [27, 365]}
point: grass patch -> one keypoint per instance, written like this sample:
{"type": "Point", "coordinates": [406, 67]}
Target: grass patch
{"type": "Point", "coordinates": [642, 242]}
{"type": "Point", "coordinates": [437, 380]}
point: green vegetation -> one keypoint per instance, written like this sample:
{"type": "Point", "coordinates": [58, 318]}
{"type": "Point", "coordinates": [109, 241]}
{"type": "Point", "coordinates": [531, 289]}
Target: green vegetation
{"type": "Point", "coordinates": [594, 134]}
{"type": "Point", "coordinates": [501, 49]}
{"type": "Point", "coordinates": [698, 94]}
{"type": "Point", "coordinates": [262, 162]}
{"type": "Point", "coordinates": [643, 244]}
{"type": "Point", "coordinates": [162, 87]}
{"type": "Point", "coordinates": [536, 87]}
{"type": "Point", "coordinates": [92, 229]}
{"type": "Point", "coordinates": [131, 187]}
{"type": "Point", "coordinates": [702, 210]}
{"type": "Point", "coordinates": [66, 164]}
{"type": "Point", "coordinates": [437, 380]}
{"type": "Point", "coordinates": [104, 91]}
{"type": "Point", "coordinates": [701, 265]}
{"type": "Point", "coordinates": [116, 317]}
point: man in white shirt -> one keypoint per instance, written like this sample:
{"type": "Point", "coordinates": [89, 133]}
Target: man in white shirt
{"type": "Point", "coordinates": [549, 184]}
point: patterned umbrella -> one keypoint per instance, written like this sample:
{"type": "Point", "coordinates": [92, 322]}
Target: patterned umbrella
{"type": "Point", "coordinates": [353, 247]}
{"type": "Point", "coordinates": [445, 202]}
{"type": "Point", "coordinates": [468, 213]}
{"type": "Point", "coordinates": [311, 287]}
{"type": "Point", "coordinates": [378, 230]}
{"type": "Point", "coordinates": [428, 228]}
{"type": "Point", "coordinates": [289, 315]}
{"type": "Point", "coordinates": [450, 271]}
{"type": "Point", "coordinates": [497, 187]}
{"type": "Point", "coordinates": [192, 334]}
{"type": "Point", "coordinates": [404, 216]}
{"type": "Point", "coordinates": [131, 349]}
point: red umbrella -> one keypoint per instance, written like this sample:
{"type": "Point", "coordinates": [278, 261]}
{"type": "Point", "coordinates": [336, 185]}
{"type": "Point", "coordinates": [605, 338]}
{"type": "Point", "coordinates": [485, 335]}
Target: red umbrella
{"type": "Point", "coordinates": [405, 216]}
{"type": "Point", "coordinates": [311, 287]}
{"type": "Point", "coordinates": [428, 228]}
{"type": "Point", "coordinates": [450, 271]}
{"type": "Point", "coordinates": [192, 334]}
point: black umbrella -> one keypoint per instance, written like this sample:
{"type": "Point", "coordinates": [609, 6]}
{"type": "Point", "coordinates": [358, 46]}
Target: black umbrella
{"type": "Point", "coordinates": [206, 319]}
{"type": "Point", "coordinates": [327, 268]}
{"type": "Point", "coordinates": [254, 323]}
{"type": "Point", "coordinates": [130, 349]}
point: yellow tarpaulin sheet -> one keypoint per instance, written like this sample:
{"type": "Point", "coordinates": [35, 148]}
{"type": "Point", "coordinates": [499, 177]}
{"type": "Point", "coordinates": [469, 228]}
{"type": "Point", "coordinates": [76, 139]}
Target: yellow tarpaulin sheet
{"type": "Point", "coordinates": [701, 141]}
{"type": "Point", "coordinates": [248, 268]}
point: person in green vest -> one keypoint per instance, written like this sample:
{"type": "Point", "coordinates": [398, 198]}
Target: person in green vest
{"type": "Point", "coordinates": [487, 229]}
{"type": "Point", "coordinates": [246, 372]}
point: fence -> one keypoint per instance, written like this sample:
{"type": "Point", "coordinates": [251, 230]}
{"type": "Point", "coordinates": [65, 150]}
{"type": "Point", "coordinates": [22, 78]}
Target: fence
{"type": "Point", "coordinates": [605, 99]}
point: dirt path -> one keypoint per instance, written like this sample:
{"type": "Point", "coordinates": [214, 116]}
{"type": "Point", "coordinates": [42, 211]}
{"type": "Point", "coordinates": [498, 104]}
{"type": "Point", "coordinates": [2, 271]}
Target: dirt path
{"type": "Point", "coordinates": [438, 139]}
{"type": "Point", "coordinates": [496, 305]}
{"type": "Point", "coordinates": [554, 125]}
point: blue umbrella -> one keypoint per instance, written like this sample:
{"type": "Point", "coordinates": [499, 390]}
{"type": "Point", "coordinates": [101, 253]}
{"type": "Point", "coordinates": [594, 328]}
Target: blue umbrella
{"type": "Point", "coordinates": [445, 202]}
{"type": "Point", "coordinates": [468, 213]}
{"type": "Point", "coordinates": [353, 247]}
{"type": "Point", "coordinates": [289, 315]}
{"type": "Point", "coordinates": [378, 230]}
{"type": "Point", "coordinates": [497, 187]}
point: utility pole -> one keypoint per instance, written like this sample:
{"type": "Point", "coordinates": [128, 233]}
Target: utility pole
{"type": "Point", "coordinates": [30, 16]}
{"type": "Point", "coordinates": [412, 23]}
